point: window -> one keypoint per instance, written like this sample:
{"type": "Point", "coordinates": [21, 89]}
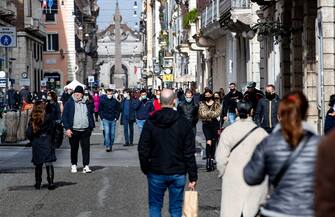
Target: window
{"type": "Point", "coordinates": [52, 42]}
{"type": "Point", "coordinates": [50, 13]}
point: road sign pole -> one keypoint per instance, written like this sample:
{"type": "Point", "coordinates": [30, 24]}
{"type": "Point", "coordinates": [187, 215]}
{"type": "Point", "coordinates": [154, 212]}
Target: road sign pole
{"type": "Point", "coordinates": [6, 68]}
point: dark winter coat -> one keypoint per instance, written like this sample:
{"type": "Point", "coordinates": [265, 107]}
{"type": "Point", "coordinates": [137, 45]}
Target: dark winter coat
{"type": "Point", "coordinates": [253, 97]}
{"type": "Point", "coordinates": [109, 109]}
{"type": "Point", "coordinates": [167, 145]}
{"type": "Point", "coordinates": [189, 111]}
{"type": "Point", "coordinates": [263, 117]}
{"type": "Point", "coordinates": [325, 178]}
{"type": "Point", "coordinates": [54, 110]}
{"type": "Point", "coordinates": [42, 148]}
{"type": "Point", "coordinates": [130, 116]}
{"type": "Point", "coordinates": [68, 114]}
{"type": "Point", "coordinates": [330, 121]}
{"type": "Point", "coordinates": [65, 97]}
{"type": "Point", "coordinates": [294, 195]}
{"type": "Point", "coordinates": [143, 109]}
{"type": "Point", "coordinates": [230, 102]}
{"type": "Point", "coordinates": [12, 97]}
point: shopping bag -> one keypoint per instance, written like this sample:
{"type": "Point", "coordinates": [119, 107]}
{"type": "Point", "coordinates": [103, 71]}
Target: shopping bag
{"type": "Point", "coordinates": [191, 203]}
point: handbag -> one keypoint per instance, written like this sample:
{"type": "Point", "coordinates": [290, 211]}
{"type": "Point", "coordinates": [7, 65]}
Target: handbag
{"type": "Point", "coordinates": [295, 154]}
{"type": "Point", "coordinates": [191, 204]}
{"type": "Point", "coordinates": [59, 134]}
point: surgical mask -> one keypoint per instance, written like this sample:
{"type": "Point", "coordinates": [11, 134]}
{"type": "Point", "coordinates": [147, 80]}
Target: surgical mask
{"type": "Point", "coordinates": [109, 96]}
{"type": "Point", "coordinates": [125, 95]}
{"type": "Point", "coordinates": [144, 97]}
{"type": "Point", "coordinates": [269, 96]}
{"type": "Point", "coordinates": [49, 98]}
{"type": "Point", "coordinates": [158, 96]}
{"type": "Point", "coordinates": [188, 100]}
{"type": "Point", "coordinates": [85, 98]}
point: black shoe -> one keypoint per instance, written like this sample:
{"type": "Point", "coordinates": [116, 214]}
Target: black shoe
{"type": "Point", "coordinates": [127, 144]}
{"type": "Point", "coordinates": [211, 164]}
{"type": "Point", "coordinates": [131, 144]}
{"type": "Point", "coordinates": [108, 149]}
{"type": "Point", "coordinates": [208, 166]}
{"type": "Point", "coordinates": [50, 177]}
{"type": "Point", "coordinates": [37, 186]}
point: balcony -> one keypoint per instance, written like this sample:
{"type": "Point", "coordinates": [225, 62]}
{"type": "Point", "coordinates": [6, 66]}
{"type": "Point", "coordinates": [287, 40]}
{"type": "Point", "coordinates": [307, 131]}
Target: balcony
{"type": "Point", "coordinates": [216, 8]}
{"type": "Point", "coordinates": [34, 25]}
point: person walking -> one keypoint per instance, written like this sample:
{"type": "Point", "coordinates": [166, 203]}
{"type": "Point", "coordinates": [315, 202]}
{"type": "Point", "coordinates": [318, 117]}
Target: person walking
{"type": "Point", "coordinates": [189, 110]}
{"type": "Point", "coordinates": [209, 111]}
{"type": "Point", "coordinates": [12, 99]}
{"type": "Point", "coordinates": [253, 95]}
{"type": "Point", "coordinates": [238, 142]}
{"type": "Point", "coordinates": [109, 112]}
{"type": "Point", "coordinates": [40, 132]}
{"type": "Point", "coordinates": [266, 115]}
{"type": "Point", "coordinates": [156, 102]}
{"type": "Point", "coordinates": [166, 152]}
{"type": "Point", "coordinates": [128, 117]}
{"type": "Point", "coordinates": [287, 156]}
{"type": "Point", "coordinates": [143, 107]}
{"type": "Point", "coordinates": [96, 101]}
{"type": "Point", "coordinates": [52, 106]}
{"type": "Point", "coordinates": [229, 103]}
{"type": "Point", "coordinates": [79, 123]}
{"type": "Point", "coordinates": [330, 116]}
{"type": "Point", "coordinates": [325, 177]}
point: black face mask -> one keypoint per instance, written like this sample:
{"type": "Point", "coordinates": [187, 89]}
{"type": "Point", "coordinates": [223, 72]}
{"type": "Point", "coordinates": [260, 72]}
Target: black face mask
{"type": "Point", "coordinates": [270, 96]}
{"type": "Point", "coordinates": [232, 90]}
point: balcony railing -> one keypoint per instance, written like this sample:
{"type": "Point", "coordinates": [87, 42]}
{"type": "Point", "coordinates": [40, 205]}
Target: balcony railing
{"type": "Point", "coordinates": [216, 8]}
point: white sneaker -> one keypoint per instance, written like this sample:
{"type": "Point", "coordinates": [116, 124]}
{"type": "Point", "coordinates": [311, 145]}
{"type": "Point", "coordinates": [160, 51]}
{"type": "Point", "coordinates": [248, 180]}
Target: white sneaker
{"type": "Point", "coordinates": [74, 169]}
{"type": "Point", "coordinates": [86, 169]}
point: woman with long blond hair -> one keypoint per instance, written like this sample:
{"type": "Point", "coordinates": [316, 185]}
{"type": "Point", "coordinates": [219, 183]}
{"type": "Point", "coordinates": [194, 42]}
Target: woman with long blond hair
{"type": "Point", "coordinates": [40, 132]}
{"type": "Point", "coordinates": [287, 156]}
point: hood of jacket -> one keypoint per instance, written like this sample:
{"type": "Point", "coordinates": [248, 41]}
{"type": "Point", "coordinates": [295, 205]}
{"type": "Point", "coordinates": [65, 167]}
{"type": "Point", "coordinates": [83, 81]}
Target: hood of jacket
{"type": "Point", "coordinates": [305, 125]}
{"type": "Point", "coordinates": [164, 118]}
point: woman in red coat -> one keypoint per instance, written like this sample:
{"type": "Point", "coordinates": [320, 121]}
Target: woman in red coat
{"type": "Point", "coordinates": [96, 100]}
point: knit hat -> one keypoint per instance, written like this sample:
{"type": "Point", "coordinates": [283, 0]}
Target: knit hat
{"type": "Point", "coordinates": [79, 89]}
{"type": "Point", "coordinates": [251, 84]}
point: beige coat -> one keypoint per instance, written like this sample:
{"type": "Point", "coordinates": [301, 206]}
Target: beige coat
{"type": "Point", "coordinates": [237, 197]}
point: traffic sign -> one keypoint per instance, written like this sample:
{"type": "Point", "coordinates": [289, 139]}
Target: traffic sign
{"type": "Point", "coordinates": [2, 74]}
{"type": "Point", "coordinates": [90, 79]}
{"type": "Point", "coordinates": [7, 36]}
{"type": "Point", "coordinates": [168, 77]}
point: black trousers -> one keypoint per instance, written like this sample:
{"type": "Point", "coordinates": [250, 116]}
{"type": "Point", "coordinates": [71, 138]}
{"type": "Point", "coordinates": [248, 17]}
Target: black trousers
{"type": "Point", "coordinates": [82, 137]}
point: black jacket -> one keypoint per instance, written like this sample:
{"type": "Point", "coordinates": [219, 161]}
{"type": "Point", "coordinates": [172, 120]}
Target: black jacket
{"type": "Point", "coordinates": [189, 111]}
{"type": "Point", "coordinates": [263, 117]}
{"type": "Point", "coordinates": [329, 122]}
{"type": "Point", "coordinates": [42, 148]}
{"type": "Point", "coordinates": [253, 97]}
{"type": "Point", "coordinates": [109, 109]}
{"type": "Point", "coordinates": [167, 145]}
{"type": "Point", "coordinates": [294, 194]}
{"type": "Point", "coordinates": [230, 102]}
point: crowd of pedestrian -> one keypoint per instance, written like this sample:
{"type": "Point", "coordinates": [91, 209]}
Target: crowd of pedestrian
{"type": "Point", "coordinates": [263, 148]}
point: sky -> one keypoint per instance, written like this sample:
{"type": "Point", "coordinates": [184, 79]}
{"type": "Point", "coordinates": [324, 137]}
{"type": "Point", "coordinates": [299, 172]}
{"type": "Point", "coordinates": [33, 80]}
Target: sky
{"type": "Point", "coordinates": [107, 9]}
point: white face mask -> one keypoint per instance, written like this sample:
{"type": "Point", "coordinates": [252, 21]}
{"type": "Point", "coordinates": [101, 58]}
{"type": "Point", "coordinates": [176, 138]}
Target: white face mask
{"type": "Point", "coordinates": [49, 98]}
{"type": "Point", "coordinates": [109, 96]}
{"type": "Point", "coordinates": [125, 95]}
{"type": "Point", "coordinates": [158, 96]}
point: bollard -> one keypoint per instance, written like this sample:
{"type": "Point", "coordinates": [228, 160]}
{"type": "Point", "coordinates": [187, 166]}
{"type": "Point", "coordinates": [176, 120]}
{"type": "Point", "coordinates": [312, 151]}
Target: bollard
{"type": "Point", "coordinates": [11, 121]}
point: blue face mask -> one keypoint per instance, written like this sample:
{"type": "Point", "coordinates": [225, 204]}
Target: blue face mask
{"type": "Point", "coordinates": [144, 97]}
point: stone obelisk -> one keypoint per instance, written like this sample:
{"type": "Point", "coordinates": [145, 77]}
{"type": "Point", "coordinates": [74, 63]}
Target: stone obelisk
{"type": "Point", "coordinates": [118, 73]}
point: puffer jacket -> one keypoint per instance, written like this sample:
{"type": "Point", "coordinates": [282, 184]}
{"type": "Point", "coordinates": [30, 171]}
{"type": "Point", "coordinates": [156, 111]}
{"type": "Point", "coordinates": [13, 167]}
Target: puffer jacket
{"type": "Point", "coordinates": [294, 194]}
{"type": "Point", "coordinates": [189, 111]}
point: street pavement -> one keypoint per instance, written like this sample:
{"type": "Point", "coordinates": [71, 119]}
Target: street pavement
{"type": "Point", "coordinates": [115, 188]}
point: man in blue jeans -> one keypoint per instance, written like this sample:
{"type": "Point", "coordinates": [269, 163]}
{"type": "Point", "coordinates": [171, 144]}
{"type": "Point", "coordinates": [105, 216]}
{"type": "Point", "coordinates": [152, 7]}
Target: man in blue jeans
{"type": "Point", "coordinates": [109, 112]}
{"type": "Point", "coordinates": [143, 107]}
{"type": "Point", "coordinates": [128, 117]}
{"type": "Point", "coordinates": [166, 152]}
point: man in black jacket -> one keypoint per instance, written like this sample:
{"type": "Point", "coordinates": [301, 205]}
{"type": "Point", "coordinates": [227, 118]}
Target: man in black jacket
{"type": "Point", "coordinates": [267, 109]}
{"type": "Point", "coordinates": [189, 109]}
{"type": "Point", "coordinates": [230, 103]}
{"type": "Point", "coordinates": [166, 152]}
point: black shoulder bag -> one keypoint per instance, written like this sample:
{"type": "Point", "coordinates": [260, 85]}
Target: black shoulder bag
{"type": "Point", "coordinates": [241, 140]}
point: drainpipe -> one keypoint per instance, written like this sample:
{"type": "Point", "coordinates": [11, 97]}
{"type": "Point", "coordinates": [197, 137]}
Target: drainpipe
{"type": "Point", "coordinates": [321, 99]}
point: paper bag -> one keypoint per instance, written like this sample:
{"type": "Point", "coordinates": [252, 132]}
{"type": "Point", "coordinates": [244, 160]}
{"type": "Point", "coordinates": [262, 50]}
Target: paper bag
{"type": "Point", "coordinates": [191, 203]}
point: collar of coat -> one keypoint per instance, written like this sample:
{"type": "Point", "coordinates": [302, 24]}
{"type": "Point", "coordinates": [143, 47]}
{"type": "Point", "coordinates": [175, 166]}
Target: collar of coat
{"type": "Point", "coordinates": [305, 125]}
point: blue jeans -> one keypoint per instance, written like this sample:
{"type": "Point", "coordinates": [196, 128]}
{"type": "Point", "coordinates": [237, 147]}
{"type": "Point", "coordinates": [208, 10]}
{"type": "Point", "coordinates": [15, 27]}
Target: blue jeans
{"type": "Point", "coordinates": [231, 117]}
{"type": "Point", "coordinates": [109, 128]}
{"type": "Point", "coordinates": [157, 187]}
{"type": "Point", "coordinates": [128, 135]}
{"type": "Point", "coordinates": [140, 123]}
